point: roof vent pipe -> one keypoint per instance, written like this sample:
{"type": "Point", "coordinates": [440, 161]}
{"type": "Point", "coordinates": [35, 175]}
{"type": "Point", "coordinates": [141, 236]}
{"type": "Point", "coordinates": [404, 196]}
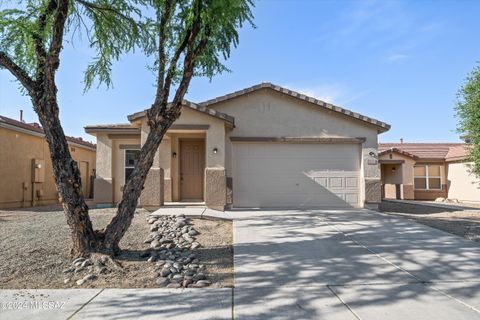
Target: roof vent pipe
{"type": "Point", "coordinates": [21, 116]}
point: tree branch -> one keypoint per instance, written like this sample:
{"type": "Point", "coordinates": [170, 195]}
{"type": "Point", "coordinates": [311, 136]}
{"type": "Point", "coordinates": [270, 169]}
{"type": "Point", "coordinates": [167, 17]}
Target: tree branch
{"type": "Point", "coordinates": [57, 34]}
{"type": "Point", "coordinates": [162, 59]}
{"type": "Point", "coordinates": [102, 9]}
{"type": "Point", "coordinates": [40, 51]}
{"type": "Point", "coordinates": [20, 74]}
{"type": "Point", "coordinates": [189, 66]}
{"type": "Point", "coordinates": [188, 40]}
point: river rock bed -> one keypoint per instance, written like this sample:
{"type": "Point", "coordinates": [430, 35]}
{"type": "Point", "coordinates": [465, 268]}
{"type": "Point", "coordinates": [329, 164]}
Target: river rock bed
{"type": "Point", "coordinates": [84, 270]}
{"type": "Point", "coordinates": [172, 242]}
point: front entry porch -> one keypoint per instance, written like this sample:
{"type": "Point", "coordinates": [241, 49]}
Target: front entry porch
{"type": "Point", "coordinates": [397, 179]}
{"type": "Point", "coordinates": [191, 161]}
{"type": "Point", "coordinates": [392, 179]}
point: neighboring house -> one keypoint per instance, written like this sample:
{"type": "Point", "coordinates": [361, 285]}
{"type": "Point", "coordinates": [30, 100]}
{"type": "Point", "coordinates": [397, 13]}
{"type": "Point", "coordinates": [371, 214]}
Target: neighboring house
{"type": "Point", "coordinates": [264, 146]}
{"type": "Point", "coordinates": [26, 171]}
{"type": "Point", "coordinates": [426, 171]}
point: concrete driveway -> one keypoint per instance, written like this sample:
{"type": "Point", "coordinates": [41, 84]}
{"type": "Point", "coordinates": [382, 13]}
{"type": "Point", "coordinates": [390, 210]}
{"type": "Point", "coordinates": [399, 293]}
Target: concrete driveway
{"type": "Point", "coordinates": [351, 264]}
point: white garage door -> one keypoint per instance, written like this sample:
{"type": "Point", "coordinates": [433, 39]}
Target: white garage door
{"type": "Point", "coordinates": [295, 175]}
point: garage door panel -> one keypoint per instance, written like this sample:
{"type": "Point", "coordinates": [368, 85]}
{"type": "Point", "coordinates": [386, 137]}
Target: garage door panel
{"type": "Point", "coordinates": [351, 182]}
{"type": "Point", "coordinates": [351, 198]}
{"type": "Point", "coordinates": [295, 175]}
{"type": "Point", "coordinates": [306, 200]}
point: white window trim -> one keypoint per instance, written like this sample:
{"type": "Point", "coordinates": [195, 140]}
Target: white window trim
{"type": "Point", "coordinates": [124, 165]}
{"type": "Point", "coordinates": [427, 176]}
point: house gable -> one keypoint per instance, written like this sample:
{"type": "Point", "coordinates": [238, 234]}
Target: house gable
{"type": "Point", "coordinates": [268, 113]}
{"type": "Point", "coordinates": [381, 126]}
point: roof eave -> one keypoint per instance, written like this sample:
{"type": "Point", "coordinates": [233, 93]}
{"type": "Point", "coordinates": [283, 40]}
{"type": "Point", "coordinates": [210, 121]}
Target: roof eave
{"type": "Point", "coordinates": [396, 150]}
{"type": "Point", "coordinates": [454, 159]}
{"type": "Point", "coordinates": [93, 130]}
{"type": "Point", "coordinates": [194, 106]}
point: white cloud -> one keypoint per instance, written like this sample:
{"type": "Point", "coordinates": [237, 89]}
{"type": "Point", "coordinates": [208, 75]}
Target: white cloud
{"type": "Point", "coordinates": [396, 57]}
{"type": "Point", "coordinates": [330, 93]}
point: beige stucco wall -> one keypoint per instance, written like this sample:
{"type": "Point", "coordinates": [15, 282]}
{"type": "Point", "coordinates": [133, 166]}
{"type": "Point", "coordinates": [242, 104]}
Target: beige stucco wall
{"type": "Point", "coordinates": [462, 183]}
{"type": "Point", "coordinates": [392, 174]}
{"type": "Point", "coordinates": [267, 113]}
{"type": "Point", "coordinates": [17, 149]}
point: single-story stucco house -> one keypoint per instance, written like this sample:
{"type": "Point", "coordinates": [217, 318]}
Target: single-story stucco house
{"type": "Point", "coordinates": [26, 168]}
{"type": "Point", "coordinates": [263, 146]}
{"type": "Point", "coordinates": [427, 171]}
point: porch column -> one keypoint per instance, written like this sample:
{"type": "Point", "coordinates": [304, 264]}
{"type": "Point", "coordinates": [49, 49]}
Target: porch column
{"type": "Point", "coordinates": [215, 177]}
{"type": "Point", "coordinates": [103, 183]}
{"type": "Point", "coordinates": [152, 193]}
{"type": "Point", "coordinates": [407, 181]}
{"type": "Point", "coordinates": [165, 162]}
{"type": "Point", "coordinates": [371, 175]}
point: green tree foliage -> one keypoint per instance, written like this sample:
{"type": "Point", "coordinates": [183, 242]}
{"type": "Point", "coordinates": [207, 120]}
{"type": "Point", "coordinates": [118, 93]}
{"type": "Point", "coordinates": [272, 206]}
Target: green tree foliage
{"type": "Point", "coordinates": [468, 115]}
{"type": "Point", "coordinates": [110, 28]}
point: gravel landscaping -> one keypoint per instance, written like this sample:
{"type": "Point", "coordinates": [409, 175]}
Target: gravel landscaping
{"type": "Point", "coordinates": [456, 220]}
{"type": "Point", "coordinates": [34, 252]}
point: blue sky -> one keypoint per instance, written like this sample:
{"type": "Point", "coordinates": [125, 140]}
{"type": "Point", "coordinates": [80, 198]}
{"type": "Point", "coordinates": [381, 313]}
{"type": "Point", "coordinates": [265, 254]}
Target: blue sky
{"type": "Point", "coordinates": [401, 62]}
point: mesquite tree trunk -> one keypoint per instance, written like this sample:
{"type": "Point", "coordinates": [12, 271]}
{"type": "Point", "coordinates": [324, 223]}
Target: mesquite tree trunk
{"type": "Point", "coordinates": [67, 176]}
{"type": "Point", "coordinates": [43, 93]}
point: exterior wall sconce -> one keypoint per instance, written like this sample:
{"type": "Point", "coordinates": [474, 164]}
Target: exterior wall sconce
{"type": "Point", "coordinates": [394, 169]}
{"type": "Point", "coordinates": [174, 155]}
{"type": "Point", "coordinates": [215, 150]}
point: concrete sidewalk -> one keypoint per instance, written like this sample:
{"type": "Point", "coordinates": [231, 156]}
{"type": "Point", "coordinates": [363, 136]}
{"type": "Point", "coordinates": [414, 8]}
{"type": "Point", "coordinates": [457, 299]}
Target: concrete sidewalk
{"type": "Point", "coordinates": [171, 304]}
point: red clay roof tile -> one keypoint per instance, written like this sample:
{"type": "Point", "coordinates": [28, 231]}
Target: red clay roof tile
{"type": "Point", "coordinates": [439, 151]}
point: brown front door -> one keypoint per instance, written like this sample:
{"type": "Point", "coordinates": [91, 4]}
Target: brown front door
{"type": "Point", "coordinates": [192, 165]}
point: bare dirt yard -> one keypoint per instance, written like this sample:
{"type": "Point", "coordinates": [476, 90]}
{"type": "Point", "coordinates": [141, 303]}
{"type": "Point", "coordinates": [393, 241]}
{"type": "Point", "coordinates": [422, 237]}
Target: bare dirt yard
{"type": "Point", "coordinates": [459, 220]}
{"type": "Point", "coordinates": [35, 244]}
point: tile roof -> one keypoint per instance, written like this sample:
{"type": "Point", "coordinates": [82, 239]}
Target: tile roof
{"type": "Point", "coordinates": [185, 103]}
{"type": "Point", "coordinates": [36, 128]}
{"type": "Point", "coordinates": [457, 153]}
{"type": "Point", "coordinates": [382, 125]}
{"type": "Point", "coordinates": [419, 151]}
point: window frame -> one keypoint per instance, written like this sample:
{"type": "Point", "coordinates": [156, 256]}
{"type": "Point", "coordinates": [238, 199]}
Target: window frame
{"type": "Point", "coordinates": [125, 167]}
{"type": "Point", "coordinates": [427, 176]}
